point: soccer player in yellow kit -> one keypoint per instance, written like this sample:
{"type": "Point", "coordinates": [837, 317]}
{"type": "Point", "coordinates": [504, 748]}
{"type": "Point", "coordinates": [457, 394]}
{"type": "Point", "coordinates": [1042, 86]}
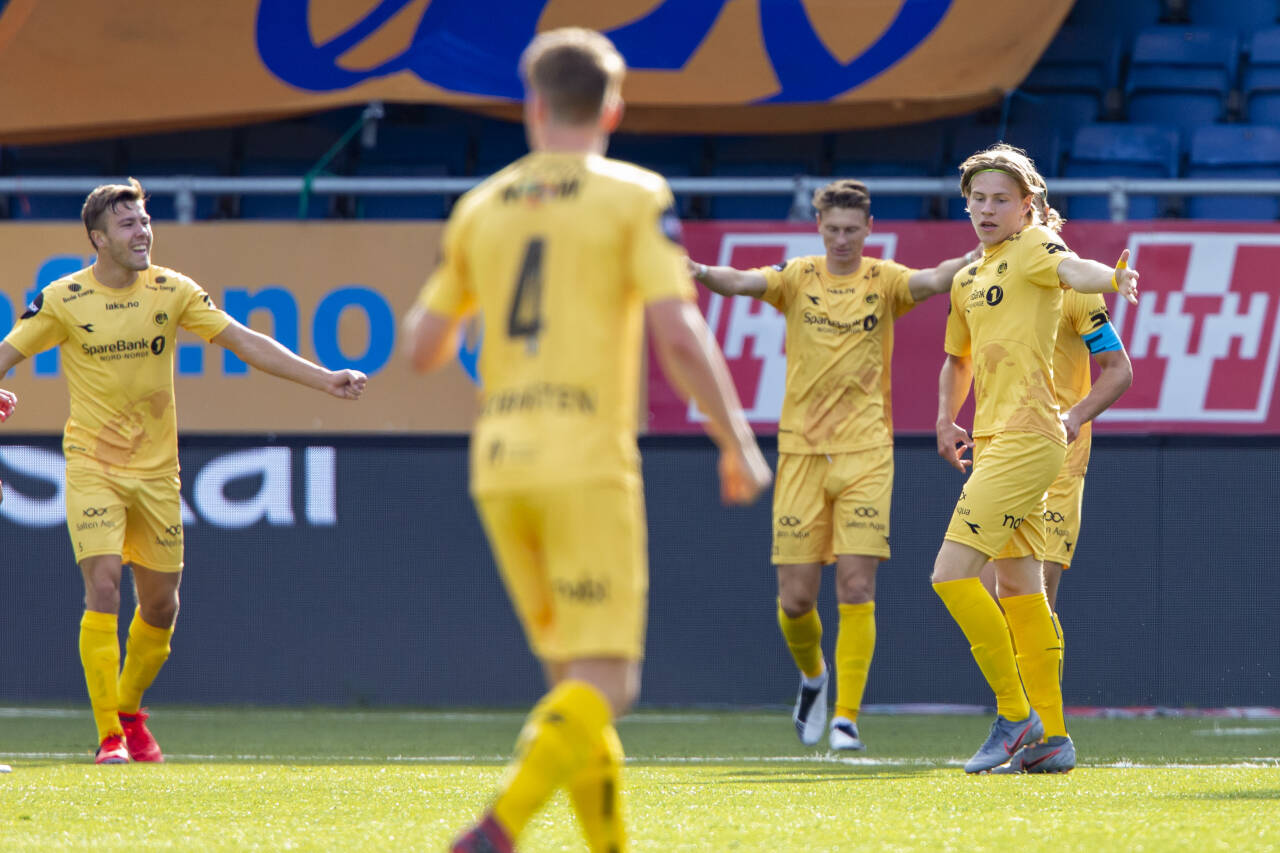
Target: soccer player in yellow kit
{"type": "Point", "coordinates": [1001, 333]}
{"type": "Point", "coordinates": [566, 255]}
{"type": "Point", "coordinates": [115, 324]}
{"type": "Point", "coordinates": [835, 441]}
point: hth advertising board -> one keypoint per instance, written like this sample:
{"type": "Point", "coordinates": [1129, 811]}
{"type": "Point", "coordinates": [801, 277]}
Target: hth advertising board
{"type": "Point", "coordinates": [1203, 339]}
{"type": "Point", "coordinates": [332, 293]}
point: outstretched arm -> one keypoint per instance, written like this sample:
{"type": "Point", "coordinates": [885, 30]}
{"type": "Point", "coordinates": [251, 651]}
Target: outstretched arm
{"type": "Point", "coordinates": [953, 388]}
{"type": "Point", "coordinates": [1114, 379]}
{"type": "Point", "coordinates": [926, 283]}
{"type": "Point", "coordinates": [1092, 277]}
{"type": "Point", "coordinates": [9, 356]}
{"type": "Point", "coordinates": [693, 363]}
{"type": "Point", "coordinates": [268, 355]}
{"type": "Point", "coordinates": [727, 281]}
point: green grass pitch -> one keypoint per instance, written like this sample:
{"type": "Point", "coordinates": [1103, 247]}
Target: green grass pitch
{"type": "Point", "coordinates": [327, 780]}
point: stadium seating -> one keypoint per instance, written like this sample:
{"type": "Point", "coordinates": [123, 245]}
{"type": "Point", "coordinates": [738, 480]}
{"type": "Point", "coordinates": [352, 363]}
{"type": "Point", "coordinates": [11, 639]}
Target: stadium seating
{"type": "Point", "coordinates": [1075, 82]}
{"type": "Point", "coordinates": [1121, 150]}
{"type": "Point", "coordinates": [289, 149]}
{"type": "Point", "coordinates": [671, 156]}
{"type": "Point", "coordinates": [903, 152]}
{"type": "Point", "coordinates": [1234, 151]}
{"type": "Point", "coordinates": [762, 157]}
{"type": "Point", "coordinates": [1261, 87]}
{"type": "Point", "coordinates": [1122, 19]}
{"type": "Point", "coordinates": [1041, 141]}
{"type": "Point", "coordinates": [1181, 76]}
{"type": "Point", "coordinates": [199, 154]}
{"type": "Point", "coordinates": [1242, 16]}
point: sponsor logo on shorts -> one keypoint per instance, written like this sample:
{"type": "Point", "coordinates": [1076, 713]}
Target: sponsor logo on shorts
{"type": "Point", "coordinates": [583, 590]}
{"type": "Point", "coordinates": [788, 521]}
{"type": "Point", "coordinates": [1011, 521]}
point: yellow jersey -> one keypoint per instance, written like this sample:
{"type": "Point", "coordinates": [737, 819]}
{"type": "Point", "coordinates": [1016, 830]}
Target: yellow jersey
{"type": "Point", "coordinates": [1083, 315]}
{"type": "Point", "coordinates": [559, 253]}
{"type": "Point", "coordinates": [117, 347]}
{"type": "Point", "coordinates": [1004, 314]}
{"type": "Point", "coordinates": [839, 350]}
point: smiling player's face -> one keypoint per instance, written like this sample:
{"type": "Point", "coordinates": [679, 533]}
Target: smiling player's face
{"type": "Point", "coordinates": [126, 236]}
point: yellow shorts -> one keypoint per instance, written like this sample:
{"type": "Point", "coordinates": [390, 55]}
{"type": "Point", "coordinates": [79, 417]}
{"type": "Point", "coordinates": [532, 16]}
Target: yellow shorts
{"type": "Point", "coordinates": [575, 563]}
{"type": "Point", "coordinates": [140, 520]}
{"type": "Point", "coordinates": [829, 505]}
{"type": "Point", "coordinates": [1001, 507]}
{"type": "Point", "coordinates": [1062, 509]}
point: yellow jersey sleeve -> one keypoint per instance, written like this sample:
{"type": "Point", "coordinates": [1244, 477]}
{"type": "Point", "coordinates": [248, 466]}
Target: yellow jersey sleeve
{"type": "Point", "coordinates": [447, 290]}
{"type": "Point", "coordinates": [957, 341]}
{"type": "Point", "coordinates": [199, 315]}
{"type": "Point", "coordinates": [656, 256]}
{"type": "Point", "coordinates": [778, 284]}
{"type": "Point", "coordinates": [897, 288]}
{"type": "Point", "coordinates": [39, 328]}
{"type": "Point", "coordinates": [1042, 251]}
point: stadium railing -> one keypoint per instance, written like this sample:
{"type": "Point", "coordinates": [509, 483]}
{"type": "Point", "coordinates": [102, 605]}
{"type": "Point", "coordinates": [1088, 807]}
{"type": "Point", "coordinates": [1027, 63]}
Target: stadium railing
{"type": "Point", "coordinates": [185, 189]}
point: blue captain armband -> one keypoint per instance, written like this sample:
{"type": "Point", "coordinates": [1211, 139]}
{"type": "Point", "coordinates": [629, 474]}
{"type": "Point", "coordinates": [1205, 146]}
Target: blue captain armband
{"type": "Point", "coordinates": [1103, 340]}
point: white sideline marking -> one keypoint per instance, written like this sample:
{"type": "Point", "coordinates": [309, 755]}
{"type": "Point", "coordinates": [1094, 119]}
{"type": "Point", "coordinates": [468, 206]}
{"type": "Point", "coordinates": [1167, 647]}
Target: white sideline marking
{"type": "Point", "coordinates": [1274, 730]}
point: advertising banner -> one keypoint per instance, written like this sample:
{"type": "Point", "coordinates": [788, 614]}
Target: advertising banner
{"type": "Point", "coordinates": [1204, 338]}
{"type": "Point", "coordinates": [333, 293]}
{"type": "Point", "coordinates": [708, 66]}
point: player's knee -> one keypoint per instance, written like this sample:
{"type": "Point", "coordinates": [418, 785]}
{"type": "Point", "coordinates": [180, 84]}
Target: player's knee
{"type": "Point", "coordinates": [162, 613]}
{"type": "Point", "coordinates": [796, 603]}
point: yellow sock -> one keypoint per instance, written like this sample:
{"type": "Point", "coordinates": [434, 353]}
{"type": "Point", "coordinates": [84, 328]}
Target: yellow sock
{"type": "Point", "coordinates": [855, 644]}
{"type": "Point", "coordinates": [100, 656]}
{"type": "Point", "coordinates": [980, 619]}
{"type": "Point", "coordinates": [563, 731]}
{"type": "Point", "coordinates": [804, 637]}
{"type": "Point", "coordinates": [145, 652]}
{"type": "Point", "coordinates": [596, 795]}
{"type": "Point", "coordinates": [1062, 639]}
{"type": "Point", "coordinates": [1039, 656]}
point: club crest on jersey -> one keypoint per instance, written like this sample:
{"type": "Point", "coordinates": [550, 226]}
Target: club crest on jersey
{"type": "Point", "coordinates": [160, 318]}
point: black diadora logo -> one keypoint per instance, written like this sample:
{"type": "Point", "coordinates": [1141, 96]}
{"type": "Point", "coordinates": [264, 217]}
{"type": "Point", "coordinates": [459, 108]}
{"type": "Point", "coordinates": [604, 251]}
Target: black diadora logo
{"type": "Point", "coordinates": [974, 526]}
{"type": "Point", "coordinates": [788, 521]}
{"type": "Point", "coordinates": [994, 294]}
{"type": "Point", "coordinates": [95, 511]}
{"type": "Point", "coordinates": [812, 299]}
{"type": "Point", "coordinates": [88, 327]}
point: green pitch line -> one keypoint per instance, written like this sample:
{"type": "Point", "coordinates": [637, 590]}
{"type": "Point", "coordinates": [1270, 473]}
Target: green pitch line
{"type": "Point", "coordinates": [372, 780]}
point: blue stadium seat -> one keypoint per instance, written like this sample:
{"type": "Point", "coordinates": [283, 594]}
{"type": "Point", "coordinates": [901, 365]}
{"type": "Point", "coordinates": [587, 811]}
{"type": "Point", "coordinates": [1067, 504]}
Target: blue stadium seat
{"type": "Point", "coordinates": [1076, 76]}
{"type": "Point", "coordinates": [910, 151]}
{"type": "Point", "coordinates": [671, 156]}
{"type": "Point", "coordinates": [762, 157]}
{"type": "Point", "coordinates": [498, 143]}
{"type": "Point", "coordinates": [1042, 142]}
{"type": "Point", "coordinates": [95, 159]}
{"type": "Point", "coordinates": [1261, 86]}
{"type": "Point", "coordinates": [1122, 19]}
{"type": "Point", "coordinates": [1242, 16]}
{"type": "Point", "coordinates": [1121, 150]}
{"type": "Point", "coordinates": [750, 206]}
{"type": "Point", "coordinates": [1181, 76]}
{"type": "Point", "coordinates": [433, 145]}
{"type": "Point", "coordinates": [1234, 151]}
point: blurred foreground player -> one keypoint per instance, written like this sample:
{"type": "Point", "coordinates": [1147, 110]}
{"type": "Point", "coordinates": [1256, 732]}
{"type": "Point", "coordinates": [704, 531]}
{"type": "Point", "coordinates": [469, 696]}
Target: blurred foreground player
{"type": "Point", "coordinates": [115, 323]}
{"type": "Point", "coordinates": [565, 255]}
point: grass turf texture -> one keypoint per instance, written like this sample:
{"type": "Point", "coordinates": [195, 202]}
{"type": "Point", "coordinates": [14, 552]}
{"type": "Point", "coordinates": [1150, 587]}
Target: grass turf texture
{"type": "Point", "coordinates": [333, 780]}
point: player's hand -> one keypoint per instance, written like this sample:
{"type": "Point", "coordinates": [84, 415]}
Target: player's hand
{"type": "Point", "coordinates": [743, 474]}
{"type": "Point", "coordinates": [953, 444]}
{"type": "Point", "coordinates": [1126, 279]}
{"type": "Point", "coordinates": [346, 384]}
{"type": "Point", "coordinates": [1071, 425]}
{"type": "Point", "coordinates": [8, 402]}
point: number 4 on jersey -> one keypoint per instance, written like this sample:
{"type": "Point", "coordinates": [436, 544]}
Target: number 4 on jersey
{"type": "Point", "coordinates": [525, 319]}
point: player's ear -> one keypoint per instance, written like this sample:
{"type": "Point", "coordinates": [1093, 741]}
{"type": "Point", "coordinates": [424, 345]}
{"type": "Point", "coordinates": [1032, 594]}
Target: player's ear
{"type": "Point", "coordinates": [611, 115]}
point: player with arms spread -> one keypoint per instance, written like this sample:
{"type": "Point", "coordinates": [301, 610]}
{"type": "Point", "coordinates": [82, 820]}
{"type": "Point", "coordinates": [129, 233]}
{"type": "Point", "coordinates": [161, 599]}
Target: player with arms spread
{"type": "Point", "coordinates": [1001, 334]}
{"type": "Point", "coordinates": [115, 324]}
{"type": "Point", "coordinates": [565, 255]}
{"type": "Point", "coordinates": [835, 441]}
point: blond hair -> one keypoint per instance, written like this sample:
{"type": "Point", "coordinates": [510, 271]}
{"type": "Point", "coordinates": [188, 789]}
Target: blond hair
{"type": "Point", "coordinates": [108, 197]}
{"type": "Point", "coordinates": [1015, 163]}
{"type": "Point", "coordinates": [575, 70]}
{"type": "Point", "coordinates": [846, 193]}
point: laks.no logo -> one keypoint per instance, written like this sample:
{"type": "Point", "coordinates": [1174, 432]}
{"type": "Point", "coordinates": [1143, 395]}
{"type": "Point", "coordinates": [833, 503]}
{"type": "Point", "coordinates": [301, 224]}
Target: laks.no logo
{"type": "Point", "coordinates": [1205, 337]}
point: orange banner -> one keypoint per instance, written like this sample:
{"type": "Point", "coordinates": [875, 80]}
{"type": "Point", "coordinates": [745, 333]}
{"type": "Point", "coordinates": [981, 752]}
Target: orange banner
{"type": "Point", "coordinates": [93, 69]}
{"type": "Point", "coordinates": [333, 293]}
